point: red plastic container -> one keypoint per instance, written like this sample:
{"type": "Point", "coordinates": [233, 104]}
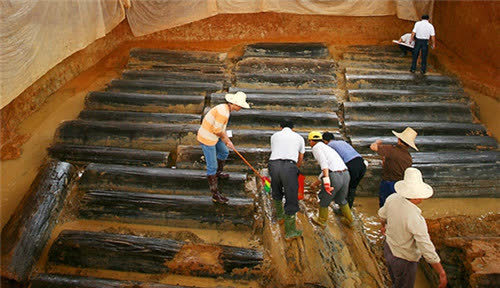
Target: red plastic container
{"type": "Point", "coordinates": [302, 179]}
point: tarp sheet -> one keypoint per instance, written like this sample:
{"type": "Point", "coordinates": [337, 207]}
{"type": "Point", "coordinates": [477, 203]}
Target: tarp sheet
{"type": "Point", "coordinates": [35, 35]}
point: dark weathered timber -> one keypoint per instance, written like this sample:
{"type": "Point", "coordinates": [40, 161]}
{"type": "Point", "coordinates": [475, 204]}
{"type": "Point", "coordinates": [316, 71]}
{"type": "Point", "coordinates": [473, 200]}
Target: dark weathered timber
{"type": "Point", "coordinates": [378, 65]}
{"type": "Point", "coordinates": [423, 128]}
{"type": "Point", "coordinates": [29, 228]}
{"type": "Point", "coordinates": [128, 116]}
{"type": "Point", "coordinates": [372, 71]}
{"type": "Point", "coordinates": [289, 102]}
{"type": "Point", "coordinates": [72, 281]}
{"type": "Point", "coordinates": [291, 50]}
{"type": "Point", "coordinates": [108, 100]}
{"type": "Point", "coordinates": [398, 79]}
{"type": "Point", "coordinates": [407, 111]}
{"type": "Point", "coordinates": [375, 57]}
{"type": "Point", "coordinates": [285, 65]}
{"type": "Point", "coordinates": [374, 48]}
{"type": "Point", "coordinates": [162, 137]}
{"type": "Point", "coordinates": [147, 255]}
{"type": "Point", "coordinates": [431, 143]}
{"type": "Point", "coordinates": [190, 157]}
{"type": "Point", "coordinates": [286, 80]}
{"type": "Point", "coordinates": [297, 91]}
{"type": "Point", "coordinates": [267, 118]}
{"type": "Point", "coordinates": [110, 155]}
{"type": "Point", "coordinates": [177, 76]}
{"type": "Point", "coordinates": [177, 56]}
{"type": "Point", "coordinates": [456, 157]}
{"type": "Point", "coordinates": [372, 95]}
{"type": "Point", "coordinates": [447, 179]}
{"type": "Point", "coordinates": [164, 87]}
{"type": "Point", "coordinates": [207, 68]}
{"type": "Point", "coordinates": [160, 180]}
{"type": "Point", "coordinates": [160, 209]}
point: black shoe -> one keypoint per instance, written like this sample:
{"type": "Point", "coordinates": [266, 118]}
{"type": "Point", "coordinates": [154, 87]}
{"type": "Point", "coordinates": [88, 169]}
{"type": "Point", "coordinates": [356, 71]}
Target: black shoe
{"type": "Point", "coordinates": [422, 72]}
{"type": "Point", "coordinates": [412, 71]}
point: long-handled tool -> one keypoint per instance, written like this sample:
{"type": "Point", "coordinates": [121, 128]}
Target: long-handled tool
{"type": "Point", "coordinates": [265, 181]}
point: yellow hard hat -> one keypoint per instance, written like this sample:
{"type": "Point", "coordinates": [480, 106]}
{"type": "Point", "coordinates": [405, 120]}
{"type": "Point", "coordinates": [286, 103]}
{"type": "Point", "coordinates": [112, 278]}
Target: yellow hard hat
{"type": "Point", "coordinates": [315, 135]}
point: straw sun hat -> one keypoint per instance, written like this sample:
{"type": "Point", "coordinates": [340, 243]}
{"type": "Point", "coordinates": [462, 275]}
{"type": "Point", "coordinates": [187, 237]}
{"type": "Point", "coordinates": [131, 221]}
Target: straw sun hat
{"type": "Point", "coordinates": [408, 136]}
{"type": "Point", "coordinates": [239, 98]}
{"type": "Point", "coordinates": [412, 186]}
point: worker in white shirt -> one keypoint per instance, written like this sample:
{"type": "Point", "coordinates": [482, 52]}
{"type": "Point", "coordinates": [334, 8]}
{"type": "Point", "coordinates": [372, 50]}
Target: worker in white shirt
{"type": "Point", "coordinates": [409, 44]}
{"type": "Point", "coordinates": [405, 230]}
{"type": "Point", "coordinates": [287, 152]}
{"type": "Point", "coordinates": [334, 177]}
{"type": "Point", "coordinates": [422, 32]}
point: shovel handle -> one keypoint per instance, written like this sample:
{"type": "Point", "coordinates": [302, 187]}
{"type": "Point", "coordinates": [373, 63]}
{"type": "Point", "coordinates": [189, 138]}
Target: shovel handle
{"type": "Point", "coordinates": [249, 165]}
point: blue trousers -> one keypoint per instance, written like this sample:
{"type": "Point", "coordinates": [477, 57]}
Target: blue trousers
{"type": "Point", "coordinates": [212, 153]}
{"type": "Point", "coordinates": [386, 189]}
{"type": "Point", "coordinates": [420, 44]}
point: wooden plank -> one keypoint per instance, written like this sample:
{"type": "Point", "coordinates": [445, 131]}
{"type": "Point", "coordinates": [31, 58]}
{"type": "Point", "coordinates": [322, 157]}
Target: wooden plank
{"type": "Point", "coordinates": [394, 95]}
{"type": "Point", "coordinates": [160, 180]}
{"type": "Point", "coordinates": [299, 91]}
{"type": "Point", "coordinates": [269, 118]}
{"type": "Point", "coordinates": [286, 80]}
{"type": "Point", "coordinates": [456, 157]}
{"type": "Point", "coordinates": [432, 143]}
{"type": "Point", "coordinates": [407, 111]}
{"type": "Point", "coordinates": [72, 281]}
{"type": "Point", "coordinates": [110, 155]}
{"type": "Point", "coordinates": [293, 50]}
{"type": "Point", "coordinates": [160, 209]}
{"type": "Point", "coordinates": [139, 117]}
{"type": "Point", "coordinates": [177, 56]}
{"type": "Point", "coordinates": [109, 100]}
{"type": "Point", "coordinates": [29, 228]}
{"type": "Point", "coordinates": [171, 76]}
{"type": "Point", "coordinates": [151, 255]}
{"type": "Point", "coordinates": [423, 128]}
{"type": "Point", "coordinates": [161, 137]}
{"type": "Point", "coordinates": [164, 87]}
{"type": "Point", "coordinates": [285, 65]}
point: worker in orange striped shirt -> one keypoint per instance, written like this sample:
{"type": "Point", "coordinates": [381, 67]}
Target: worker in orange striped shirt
{"type": "Point", "coordinates": [214, 140]}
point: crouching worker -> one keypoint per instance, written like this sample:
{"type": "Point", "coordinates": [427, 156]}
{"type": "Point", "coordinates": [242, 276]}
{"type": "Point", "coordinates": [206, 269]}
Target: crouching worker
{"type": "Point", "coordinates": [334, 178]}
{"type": "Point", "coordinates": [405, 230]}
{"type": "Point", "coordinates": [215, 142]}
{"type": "Point", "coordinates": [287, 152]}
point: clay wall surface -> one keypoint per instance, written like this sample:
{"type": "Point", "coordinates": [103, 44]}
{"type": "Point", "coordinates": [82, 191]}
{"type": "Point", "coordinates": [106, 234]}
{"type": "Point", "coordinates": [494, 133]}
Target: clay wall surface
{"type": "Point", "coordinates": [468, 40]}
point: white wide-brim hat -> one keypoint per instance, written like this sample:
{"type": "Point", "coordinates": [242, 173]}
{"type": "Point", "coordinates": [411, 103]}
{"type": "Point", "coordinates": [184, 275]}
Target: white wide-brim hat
{"type": "Point", "coordinates": [412, 186]}
{"type": "Point", "coordinates": [408, 136]}
{"type": "Point", "coordinates": [239, 98]}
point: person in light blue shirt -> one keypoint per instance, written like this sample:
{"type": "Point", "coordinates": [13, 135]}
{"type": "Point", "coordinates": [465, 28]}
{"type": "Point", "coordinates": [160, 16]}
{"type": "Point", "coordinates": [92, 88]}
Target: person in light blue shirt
{"type": "Point", "coordinates": [353, 161]}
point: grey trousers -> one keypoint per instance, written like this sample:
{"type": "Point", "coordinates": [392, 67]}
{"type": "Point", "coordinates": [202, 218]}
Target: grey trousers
{"type": "Point", "coordinates": [402, 272]}
{"type": "Point", "coordinates": [284, 182]}
{"type": "Point", "coordinates": [340, 183]}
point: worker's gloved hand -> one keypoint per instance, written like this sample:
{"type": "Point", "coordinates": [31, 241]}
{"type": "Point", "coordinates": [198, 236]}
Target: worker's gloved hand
{"type": "Point", "coordinates": [326, 184]}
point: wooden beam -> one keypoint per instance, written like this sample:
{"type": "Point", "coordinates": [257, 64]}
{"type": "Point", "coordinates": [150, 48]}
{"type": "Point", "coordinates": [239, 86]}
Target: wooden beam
{"type": "Point", "coordinates": [29, 228]}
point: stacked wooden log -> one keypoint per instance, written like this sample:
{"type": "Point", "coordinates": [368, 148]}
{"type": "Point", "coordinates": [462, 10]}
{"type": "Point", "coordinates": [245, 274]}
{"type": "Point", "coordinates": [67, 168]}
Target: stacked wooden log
{"type": "Point", "coordinates": [385, 96]}
{"type": "Point", "coordinates": [122, 142]}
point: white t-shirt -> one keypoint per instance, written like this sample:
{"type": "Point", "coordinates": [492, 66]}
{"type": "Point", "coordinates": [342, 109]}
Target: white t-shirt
{"type": "Point", "coordinates": [423, 30]}
{"type": "Point", "coordinates": [287, 145]}
{"type": "Point", "coordinates": [407, 39]}
{"type": "Point", "coordinates": [328, 158]}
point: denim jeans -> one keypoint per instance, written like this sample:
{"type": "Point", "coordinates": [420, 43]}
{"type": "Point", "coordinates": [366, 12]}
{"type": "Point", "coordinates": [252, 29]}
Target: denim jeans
{"type": "Point", "coordinates": [386, 189]}
{"type": "Point", "coordinates": [212, 153]}
{"type": "Point", "coordinates": [420, 44]}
